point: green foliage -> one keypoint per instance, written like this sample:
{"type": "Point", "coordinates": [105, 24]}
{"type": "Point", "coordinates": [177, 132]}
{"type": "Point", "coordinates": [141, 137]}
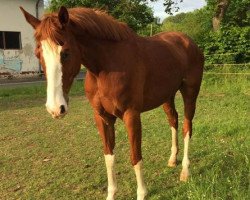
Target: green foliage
{"type": "Point", "coordinates": [195, 24]}
{"type": "Point", "coordinates": [228, 45]}
{"type": "Point", "coordinates": [175, 19]}
{"type": "Point", "coordinates": [237, 13]}
{"type": "Point", "coordinates": [231, 43]}
{"type": "Point", "coordinates": [156, 28]}
{"type": "Point", "coordinates": [135, 13]}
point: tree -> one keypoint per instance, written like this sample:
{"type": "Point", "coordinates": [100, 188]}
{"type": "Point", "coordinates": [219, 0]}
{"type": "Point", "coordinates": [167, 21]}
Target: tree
{"type": "Point", "coordinates": [136, 13]}
{"type": "Point", "coordinates": [220, 12]}
{"type": "Point", "coordinates": [172, 6]}
{"type": "Point", "coordinates": [229, 12]}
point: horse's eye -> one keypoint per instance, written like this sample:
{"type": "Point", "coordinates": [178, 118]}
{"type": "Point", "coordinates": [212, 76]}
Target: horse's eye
{"type": "Point", "coordinates": [64, 56]}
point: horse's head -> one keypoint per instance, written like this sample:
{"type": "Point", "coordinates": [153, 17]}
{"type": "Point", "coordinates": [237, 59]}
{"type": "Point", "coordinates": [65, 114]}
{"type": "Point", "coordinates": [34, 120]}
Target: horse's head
{"type": "Point", "coordinates": [58, 53]}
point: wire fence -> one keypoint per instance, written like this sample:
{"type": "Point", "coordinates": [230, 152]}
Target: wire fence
{"type": "Point", "coordinates": [229, 64]}
{"type": "Point", "coordinates": [226, 68]}
{"type": "Point", "coordinates": [229, 73]}
{"type": "Point", "coordinates": [230, 53]}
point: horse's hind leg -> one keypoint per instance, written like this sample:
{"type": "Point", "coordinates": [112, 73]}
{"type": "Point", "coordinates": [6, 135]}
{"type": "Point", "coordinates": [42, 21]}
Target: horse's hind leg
{"type": "Point", "coordinates": [169, 108]}
{"type": "Point", "coordinates": [189, 94]}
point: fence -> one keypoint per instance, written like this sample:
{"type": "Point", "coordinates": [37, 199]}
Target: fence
{"type": "Point", "coordinates": [226, 68]}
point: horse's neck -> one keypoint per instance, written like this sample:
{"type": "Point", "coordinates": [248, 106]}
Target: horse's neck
{"type": "Point", "coordinates": [100, 55]}
{"type": "Point", "coordinates": [92, 54]}
{"type": "Point", "coordinates": [87, 56]}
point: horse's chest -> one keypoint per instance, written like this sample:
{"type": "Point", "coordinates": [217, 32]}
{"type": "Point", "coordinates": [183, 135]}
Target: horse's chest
{"type": "Point", "coordinates": [112, 97]}
{"type": "Point", "coordinates": [110, 102]}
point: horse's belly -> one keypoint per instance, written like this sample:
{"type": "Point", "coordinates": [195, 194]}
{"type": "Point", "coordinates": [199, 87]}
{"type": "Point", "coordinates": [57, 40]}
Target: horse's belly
{"type": "Point", "coordinates": [157, 93]}
{"type": "Point", "coordinates": [152, 102]}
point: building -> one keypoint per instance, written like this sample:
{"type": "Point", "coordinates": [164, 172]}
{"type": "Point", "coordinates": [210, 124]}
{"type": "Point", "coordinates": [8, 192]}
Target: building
{"type": "Point", "coordinates": [16, 37]}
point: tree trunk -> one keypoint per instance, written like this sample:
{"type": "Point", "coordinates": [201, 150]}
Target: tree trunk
{"type": "Point", "coordinates": [220, 13]}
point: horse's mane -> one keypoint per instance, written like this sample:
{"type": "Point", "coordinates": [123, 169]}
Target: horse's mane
{"type": "Point", "coordinates": [95, 22]}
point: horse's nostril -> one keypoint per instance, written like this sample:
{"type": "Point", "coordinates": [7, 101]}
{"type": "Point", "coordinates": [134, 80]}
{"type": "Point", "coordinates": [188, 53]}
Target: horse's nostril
{"type": "Point", "coordinates": [62, 109]}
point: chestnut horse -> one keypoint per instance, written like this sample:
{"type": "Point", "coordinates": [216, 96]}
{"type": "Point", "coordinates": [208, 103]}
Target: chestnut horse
{"type": "Point", "coordinates": [126, 75]}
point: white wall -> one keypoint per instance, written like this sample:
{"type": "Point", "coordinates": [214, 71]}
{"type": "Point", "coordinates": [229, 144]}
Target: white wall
{"type": "Point", "coordinates": [12, 19]}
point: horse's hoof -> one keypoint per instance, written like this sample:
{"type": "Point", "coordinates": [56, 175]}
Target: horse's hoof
{"type": "Point", "coordinates": [110, 198]}
{"type": "Point", "coordinates": [141, 197]}
{"type": "Point", "coordinates": [184, 175]}
{"type": "Point", "coordinates": [172, 163]}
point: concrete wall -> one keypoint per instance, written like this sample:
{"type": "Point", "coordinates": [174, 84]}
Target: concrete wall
{"type": "Point", "coordinates": [12, 19]}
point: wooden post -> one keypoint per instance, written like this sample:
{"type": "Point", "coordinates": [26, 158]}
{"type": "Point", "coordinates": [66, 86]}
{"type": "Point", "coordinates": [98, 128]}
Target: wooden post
{"type": "Point", "coordinates": [151, 29]}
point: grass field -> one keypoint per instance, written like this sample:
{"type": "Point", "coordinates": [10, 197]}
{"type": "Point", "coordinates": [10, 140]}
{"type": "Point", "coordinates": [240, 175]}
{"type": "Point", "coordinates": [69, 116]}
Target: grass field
{"type": "Point", "coordinates": [43, 158]}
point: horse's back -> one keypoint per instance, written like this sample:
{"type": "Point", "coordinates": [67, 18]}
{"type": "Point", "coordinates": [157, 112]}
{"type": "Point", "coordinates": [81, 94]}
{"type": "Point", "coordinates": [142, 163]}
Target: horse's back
{"type": "Point", "coordinates": [179, 54]}
{"type": "Point", "coordinates": [183, 45]}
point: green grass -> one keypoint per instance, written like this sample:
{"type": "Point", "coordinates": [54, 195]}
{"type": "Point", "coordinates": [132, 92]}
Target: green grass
{"type": "Point", "coordinates": [43, 158]}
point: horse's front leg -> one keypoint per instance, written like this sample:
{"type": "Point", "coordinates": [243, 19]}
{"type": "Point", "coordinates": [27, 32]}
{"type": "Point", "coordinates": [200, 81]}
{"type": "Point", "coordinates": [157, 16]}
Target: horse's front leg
{"type": "Point", "coordinates": [106, 130]}
{"type": "Point", "coordinates": [132, 121]}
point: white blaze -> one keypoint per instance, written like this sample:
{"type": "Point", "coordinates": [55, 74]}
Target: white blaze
{"type": "Point", "coordinates": [51, 55]}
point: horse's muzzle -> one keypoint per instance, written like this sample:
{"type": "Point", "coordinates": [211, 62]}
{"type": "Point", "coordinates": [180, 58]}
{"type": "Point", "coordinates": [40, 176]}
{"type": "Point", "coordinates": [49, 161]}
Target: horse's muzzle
{"type": "Point", "coordinates": [59, 112]}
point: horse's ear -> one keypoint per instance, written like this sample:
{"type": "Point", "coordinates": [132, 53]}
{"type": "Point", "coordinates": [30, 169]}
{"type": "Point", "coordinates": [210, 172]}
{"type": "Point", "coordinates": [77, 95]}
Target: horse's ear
{"type": "Point", "coordinates": [33, 21]}
{"type": "Point", "coordinates": [63, 16]}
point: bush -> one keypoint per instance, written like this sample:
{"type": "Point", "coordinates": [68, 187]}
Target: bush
{"type": "Point", "coordinates": [228, 45]}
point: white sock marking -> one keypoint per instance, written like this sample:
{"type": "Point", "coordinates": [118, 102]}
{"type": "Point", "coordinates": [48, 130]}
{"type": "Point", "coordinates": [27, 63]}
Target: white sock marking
{"type": "Point", "coordinates": [141, 188]}
{"type": "Point", "coordinates": [112, 185]}
{"type": "Point", "coordinates": [185, 161]}
{"type": "Point", "coordinates": [51, 55]}
{"type": "Point", "coordinates": [174, 148]}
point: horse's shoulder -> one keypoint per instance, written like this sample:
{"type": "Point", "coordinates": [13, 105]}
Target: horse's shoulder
{"type": "Point", "coordinates": [90, 83]}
